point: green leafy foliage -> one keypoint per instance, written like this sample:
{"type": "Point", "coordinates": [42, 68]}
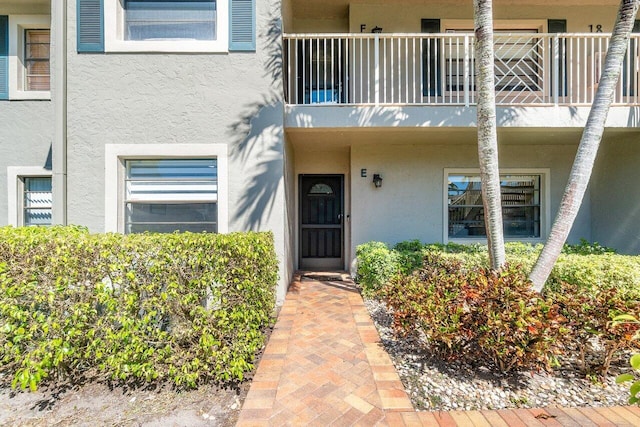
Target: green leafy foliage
{"type": "Point", "coordinates": [634, 361]}
{"type": "Point", "coordinates": [187, 308]}
{"type": "Point", "coordinates": [376, 265]}
{"type": "Point", "coordinates": [476, 314]}
{"type": "Point", "coordinates": [586, 265]}
{"type": "Point", "coordinates": [587, 248]}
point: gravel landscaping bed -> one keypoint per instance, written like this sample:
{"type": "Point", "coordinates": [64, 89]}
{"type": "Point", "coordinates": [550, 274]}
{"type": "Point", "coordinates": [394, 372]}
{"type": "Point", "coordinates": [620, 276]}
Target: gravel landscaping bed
{"type": "Point", "coordinates": [434, 384]}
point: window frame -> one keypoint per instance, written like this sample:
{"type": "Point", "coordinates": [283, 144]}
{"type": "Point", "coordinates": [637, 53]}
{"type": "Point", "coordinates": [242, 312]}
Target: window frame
{"type": "Point", "coordinates": [545, 203]}
{"type": "Point", "coordinates": [116, 156]}
{"type": "Point", "coordinates": [18, 24]}
{"type": "Point", "coordinates": [15, 190]}
{"type": "Point", "coordinates": [114, 40]}
{"type": "Point", "coordinates": [135, 194]}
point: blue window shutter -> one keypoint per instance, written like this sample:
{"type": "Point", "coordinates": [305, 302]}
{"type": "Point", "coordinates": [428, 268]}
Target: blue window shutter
{"type": "Point", "coordinates": [4, 57]}
{"type": "Point", "coordinates": [242, 25]}
{"type": "Point", "coordinates": [90, 29]}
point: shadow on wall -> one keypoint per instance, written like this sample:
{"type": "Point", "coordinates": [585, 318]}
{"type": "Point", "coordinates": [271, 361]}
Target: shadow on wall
{"type": "Point", "coordinates": [48, 163]}
{"type": "Point", "coordinates": [258, 134]}
{"type": "Point", "coordinates": [633, 119]}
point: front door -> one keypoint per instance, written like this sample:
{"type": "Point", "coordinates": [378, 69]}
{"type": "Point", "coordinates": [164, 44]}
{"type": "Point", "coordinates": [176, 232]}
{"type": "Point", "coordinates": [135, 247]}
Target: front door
{"type": "Point", "coordinates": [321, 221]}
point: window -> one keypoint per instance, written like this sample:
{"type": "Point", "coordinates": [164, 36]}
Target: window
{"type": "Point", "coordinates": [30, 199]}
{"type": "Point", "coordinates": [170, 20]}
{"type": "Point", "coordinates": [36, 59]}
{"type": "Point", "coordinates": [523, 205]}
{"type": "Point", "coordinates": [166, 195]}
{"type": "Point", "coordinates": [28, 66]}
{"type": "Point", "coordinates": [166, 25]}
{"type": "Point", "coordinates": [36, 201]}
{"type": "Point", "coordinates": [166, 187]}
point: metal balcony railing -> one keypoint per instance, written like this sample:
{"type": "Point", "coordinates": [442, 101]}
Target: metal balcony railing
{"type": "Point", "coordinates": [408, 69]}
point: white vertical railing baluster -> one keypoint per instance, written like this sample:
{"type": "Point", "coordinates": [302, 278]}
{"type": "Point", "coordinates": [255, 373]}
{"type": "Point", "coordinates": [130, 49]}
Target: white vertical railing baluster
{"type": "Point", "coordinates": [384, 68]}
{"type": "Point", "coordinates": [361, 77]}
{"type": "Point", "coordinates": [426, 63]}
{"type": "Point", "coordinates": [391, 69]}
{"type": "Point", "coordinates": [292, 85]}
{"type": "Point", "coordinates": [398, 58]}
{"type": "Point", "coordinates": [304, 70]}
{"type": "Point", "coordinates": [317, 67]}
{"type": "Point", "coordinates": [406, 69]}
{"type": "Point", "coordinates": [340, 79]}
{"type": "Point", "coordinates": [348, 70]}
{"type": "Point", "coordinates": [466, 70]}
{"type": "Point", "coordinates": [376, 61]}
{"type": "Point", "coordinates": [556, 69]}
{"type": "Point", "coordinates": [413, 68]}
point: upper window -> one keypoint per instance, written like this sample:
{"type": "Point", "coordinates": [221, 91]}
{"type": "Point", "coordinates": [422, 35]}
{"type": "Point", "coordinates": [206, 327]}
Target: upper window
{"type": "Point", "coordinates": [36, 201]}
{"type": "Point", "coordinates": [27, 64]}
{"type": "Point", "coordinates": [166, 25]}
{"type": "Point", "coordinates": [166, 195]}
{"type": "Point", "coordinates": [522, 206]}
{"type": "Point", "coordinates": [37, 59]}
{"type": "Point", "coordinates": [170, 20]}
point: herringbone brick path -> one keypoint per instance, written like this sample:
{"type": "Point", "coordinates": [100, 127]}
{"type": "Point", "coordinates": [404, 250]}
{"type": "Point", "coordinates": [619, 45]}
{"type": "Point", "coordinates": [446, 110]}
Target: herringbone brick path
{"type": "Point", "coordinates": [324, 366]}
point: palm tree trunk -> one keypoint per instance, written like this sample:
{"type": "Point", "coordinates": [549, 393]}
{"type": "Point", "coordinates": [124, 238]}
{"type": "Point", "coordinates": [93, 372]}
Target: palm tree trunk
{"type": "Point", "coordinates": [589, 143]}
{"type": "Point", "coordinates": [487, 134]}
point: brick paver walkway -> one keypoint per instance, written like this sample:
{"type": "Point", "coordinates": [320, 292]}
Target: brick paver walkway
{"type": "Point", "coordinates": [324, 366]}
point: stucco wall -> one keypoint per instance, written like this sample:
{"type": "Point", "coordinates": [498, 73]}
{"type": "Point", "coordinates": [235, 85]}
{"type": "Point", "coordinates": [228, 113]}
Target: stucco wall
{"type": "Point", "coordinates": [410, 204]}
{"type": "Point", "coordinates": [25, 140]}
{"type": "Point", "coordinates": [404, 15]}
{"type": "Point", "coordinates": [18, 7]}
{"type": "Point", "coordinates": [27, 126]}
{"type": "Point", "coordinates": [615, 194]}
{"type": "Point", "coordinates": [406, 18]}
{"type": "Point", "coordinates": [232, 99]}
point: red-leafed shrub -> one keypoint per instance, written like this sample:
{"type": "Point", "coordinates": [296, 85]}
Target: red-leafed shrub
{"type": "Point", "coordinates": [590, 315]}
{"type": "Point", "coordinates": [476, 314]}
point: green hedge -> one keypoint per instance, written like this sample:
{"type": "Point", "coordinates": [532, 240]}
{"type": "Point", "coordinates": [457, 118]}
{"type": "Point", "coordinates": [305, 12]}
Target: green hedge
{"type": "Point", "coordinates": [188, 308]}
{"type": "Point", "coordinates": [586, 265]}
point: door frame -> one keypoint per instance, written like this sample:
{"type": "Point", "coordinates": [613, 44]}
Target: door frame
{"type": "Point", "coordinates": [328, 263]}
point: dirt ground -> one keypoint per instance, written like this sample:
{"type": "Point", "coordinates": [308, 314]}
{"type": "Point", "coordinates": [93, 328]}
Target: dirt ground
{"type": "Point", "coordinates": [96, 404]}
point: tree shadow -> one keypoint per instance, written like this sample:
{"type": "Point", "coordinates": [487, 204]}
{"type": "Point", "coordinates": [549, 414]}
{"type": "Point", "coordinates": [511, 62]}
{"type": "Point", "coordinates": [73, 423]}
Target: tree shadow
{"type": "Point", "coordinates": [258, 134]}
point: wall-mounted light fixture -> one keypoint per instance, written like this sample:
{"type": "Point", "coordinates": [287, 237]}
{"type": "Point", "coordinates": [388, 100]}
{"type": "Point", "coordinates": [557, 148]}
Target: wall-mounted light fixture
{"type": "Point", "coordinates": [377, 180]}
{"type": "Point", "coordinates": [376, 29]}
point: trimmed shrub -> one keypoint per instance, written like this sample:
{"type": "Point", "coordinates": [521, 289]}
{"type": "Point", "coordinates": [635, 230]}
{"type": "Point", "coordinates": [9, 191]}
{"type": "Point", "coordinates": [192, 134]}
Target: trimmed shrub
{"type": "Point", "coordinates": [475, 314]}
{"type": "Point", "coordinates": [376, 265]}
{"type": "Point", "coordinates": [187, 308]}
{"type": "Point", "coordinates": [586, 265]}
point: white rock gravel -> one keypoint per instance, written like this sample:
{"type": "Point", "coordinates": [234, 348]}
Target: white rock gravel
{"type": "Point", "coordinates": [434, 384]}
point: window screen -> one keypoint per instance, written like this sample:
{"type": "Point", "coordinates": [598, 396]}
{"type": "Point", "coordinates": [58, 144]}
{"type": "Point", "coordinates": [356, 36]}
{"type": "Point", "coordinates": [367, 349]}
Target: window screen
{"type": "Point", "coordinates": [37, 201]}
{"type": "Point", "coordinates": [170, 20]}
{"type": "Point", "coordinates": [36, 58]}
{"type": "Point", "coordinates": [169, 195]}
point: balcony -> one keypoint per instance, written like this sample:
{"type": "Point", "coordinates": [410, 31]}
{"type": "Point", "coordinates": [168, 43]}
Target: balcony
{"type": "Point", "coordinates": [532, 69]}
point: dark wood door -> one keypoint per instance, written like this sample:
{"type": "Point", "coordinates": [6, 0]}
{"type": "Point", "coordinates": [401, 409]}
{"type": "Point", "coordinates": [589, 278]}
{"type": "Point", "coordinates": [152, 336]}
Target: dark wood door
{"type": "Point", "coordinates": [321, 221]}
